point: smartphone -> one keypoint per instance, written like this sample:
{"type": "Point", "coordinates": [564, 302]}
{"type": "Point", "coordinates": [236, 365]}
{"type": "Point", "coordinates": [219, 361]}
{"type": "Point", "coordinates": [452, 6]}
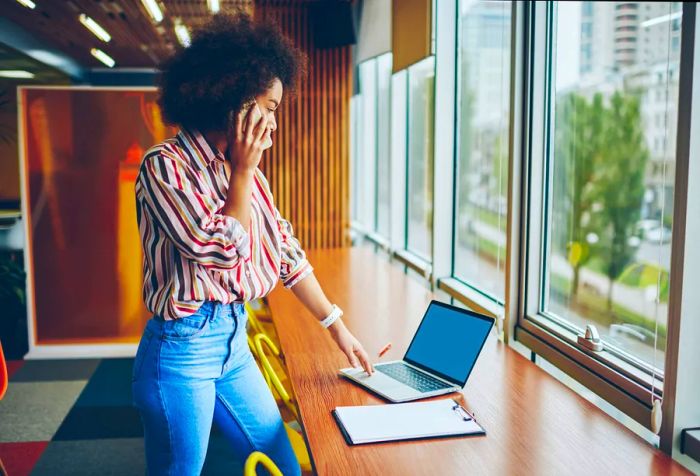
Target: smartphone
{"type": "Point", "coordinates": [256, 112]}
{"type": "Point", "coordinates": [257, 116]}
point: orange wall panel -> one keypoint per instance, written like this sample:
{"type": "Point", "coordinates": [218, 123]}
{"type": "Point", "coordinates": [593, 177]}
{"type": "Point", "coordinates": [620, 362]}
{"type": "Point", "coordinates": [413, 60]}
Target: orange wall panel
{"type": "Point", "coordinates": [82, 149]}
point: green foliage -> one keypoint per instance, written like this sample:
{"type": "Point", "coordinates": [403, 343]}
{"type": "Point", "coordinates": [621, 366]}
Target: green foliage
{"type": "Point", "coordinates": [599, 171]}
{"type": "Point", "coordinates": [619, 185]}
{"type": "Point", "coordinates": [500, 166]}
{"type": "Point", "coordinates": [578, 145]}
{"type": "Point", "coordinates": [643, 275]}
{"type": "Point", "coordinates": [12, 281]}
{"type": "Point", "coordinates": [466, 140]}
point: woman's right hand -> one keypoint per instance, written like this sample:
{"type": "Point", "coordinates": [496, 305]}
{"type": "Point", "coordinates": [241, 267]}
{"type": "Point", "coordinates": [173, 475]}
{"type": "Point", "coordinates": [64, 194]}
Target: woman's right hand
{"type": "Point", "coordinates": [245, 149]}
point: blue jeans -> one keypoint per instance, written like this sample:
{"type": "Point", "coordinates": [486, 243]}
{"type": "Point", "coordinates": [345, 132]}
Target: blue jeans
{"type": "Point", "coordinates": [198, 369]}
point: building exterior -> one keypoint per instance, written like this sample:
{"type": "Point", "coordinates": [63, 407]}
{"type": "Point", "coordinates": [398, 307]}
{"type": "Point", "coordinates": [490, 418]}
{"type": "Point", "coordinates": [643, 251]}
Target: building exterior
{"type": "Point", "coordinates": [635, 46]}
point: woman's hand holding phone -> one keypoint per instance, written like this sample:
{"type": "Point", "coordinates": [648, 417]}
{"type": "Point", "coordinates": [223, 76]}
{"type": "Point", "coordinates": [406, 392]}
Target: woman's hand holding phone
{"type": "Point", "coordinates": [247, 139]}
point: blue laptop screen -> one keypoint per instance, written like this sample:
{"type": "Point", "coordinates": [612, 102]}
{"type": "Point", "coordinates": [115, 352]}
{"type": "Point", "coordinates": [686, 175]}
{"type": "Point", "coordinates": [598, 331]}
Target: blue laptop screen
{"type": "Point", "coordinates": [448, 341]}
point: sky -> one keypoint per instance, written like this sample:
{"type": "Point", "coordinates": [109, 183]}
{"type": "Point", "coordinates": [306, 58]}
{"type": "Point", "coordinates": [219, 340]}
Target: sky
{"type": "Point", "coordinates": [568, 47]}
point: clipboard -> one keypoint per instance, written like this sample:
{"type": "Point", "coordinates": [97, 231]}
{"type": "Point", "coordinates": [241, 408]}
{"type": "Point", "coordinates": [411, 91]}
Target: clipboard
{"type": "Point", "coordinates": [443, 418]}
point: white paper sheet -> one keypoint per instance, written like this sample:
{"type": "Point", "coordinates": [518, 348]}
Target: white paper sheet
{"type": "Point", "coordinates": [375, 423]}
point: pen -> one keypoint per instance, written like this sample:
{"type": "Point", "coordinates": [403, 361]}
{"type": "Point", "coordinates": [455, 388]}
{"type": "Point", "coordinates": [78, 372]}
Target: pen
{"type": "Point", "coordinates": [385, 349]}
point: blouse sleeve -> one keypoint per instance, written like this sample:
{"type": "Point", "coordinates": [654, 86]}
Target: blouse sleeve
{"type": "Point", "coordinates": [295, 266]}
{"type": "Point", "coordinates": [190, 219]}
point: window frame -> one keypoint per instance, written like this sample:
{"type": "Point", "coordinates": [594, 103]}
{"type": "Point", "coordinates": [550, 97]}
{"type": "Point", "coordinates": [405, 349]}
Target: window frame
{"type": "Point", "coordinates": [447, 94]}
{"type": "Point", "coordinates": [613, 374]}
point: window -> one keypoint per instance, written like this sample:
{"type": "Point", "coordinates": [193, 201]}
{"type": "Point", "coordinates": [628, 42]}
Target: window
{"type": "Point", "coordinates": [592, 131]}
{"type": "Point", "coordinates": [587, 8]}
{"type": "Point", "coordinates": [383, 141]}
{"type": "Point", "coordinates": [483, 85]}
{"type": "Point", "coordinates": [587, 29]}
{"type": "Point", "coordinates": [607, 232]}
{"type": "Point", "coordinates": [419, 194]}
{"type": "Point", "coordinates": [366, 146]}
{"type": "Point", "coordinates": [370, 147]}
{"type": "Point", "coordinates": [355, 157]}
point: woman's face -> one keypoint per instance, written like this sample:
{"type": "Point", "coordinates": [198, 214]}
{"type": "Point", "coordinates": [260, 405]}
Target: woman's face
{"type": "Point", "coordinates": [268, 102]}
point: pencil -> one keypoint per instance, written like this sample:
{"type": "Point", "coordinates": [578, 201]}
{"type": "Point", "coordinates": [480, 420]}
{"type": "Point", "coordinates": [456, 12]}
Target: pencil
{"type": "Point", "coordinates": [385, 349]}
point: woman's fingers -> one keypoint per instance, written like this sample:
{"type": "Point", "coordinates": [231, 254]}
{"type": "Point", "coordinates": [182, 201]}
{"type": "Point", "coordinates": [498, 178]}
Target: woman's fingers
{"type": "Point", "coordinates": [364, 360]}
{"type": "Point", "coordinates": [240, 118]}
{"type": "Point", "coordinates": [250, 121]}
{"type": "Point", "coordinates": [260, 128]}
{"type": "Point", "coordinates": [352, 360]}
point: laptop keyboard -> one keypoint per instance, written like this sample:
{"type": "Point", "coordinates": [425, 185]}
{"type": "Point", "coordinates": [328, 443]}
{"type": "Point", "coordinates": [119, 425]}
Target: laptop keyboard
{"type": "Point", "coordinates": [411, 377]}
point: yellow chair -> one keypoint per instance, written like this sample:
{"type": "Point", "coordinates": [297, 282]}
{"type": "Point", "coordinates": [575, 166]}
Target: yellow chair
{"type": "Point", "coordinates": [262, 309]}
{"type": "Point", "coordinates": [257, 326]}
{"type": "Point", "coordinates": [276, 386]}
{"type": "Point", "coordinates": [255, 458]}
{"type": "Point", "coordinates": [271, 375]}
{"type": "Point", "coordinates": [299, 447]}
{"type": "Point", "coordinates": [254, 351]}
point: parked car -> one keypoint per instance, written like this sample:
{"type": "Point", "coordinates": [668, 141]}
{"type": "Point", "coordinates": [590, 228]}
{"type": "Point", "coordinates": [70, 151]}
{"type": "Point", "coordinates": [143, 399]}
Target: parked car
{"type": "Point", "coordinates": [660, 234]}
{"type": "Point", "coordinates": [644, 226]}
{"type": "Point", "coordinates": [633, 331]}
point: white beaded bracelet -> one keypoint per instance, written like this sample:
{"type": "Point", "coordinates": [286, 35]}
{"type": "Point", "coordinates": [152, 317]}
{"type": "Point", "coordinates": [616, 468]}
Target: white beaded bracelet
{"type": "Point", "coordinates": [335, 314]}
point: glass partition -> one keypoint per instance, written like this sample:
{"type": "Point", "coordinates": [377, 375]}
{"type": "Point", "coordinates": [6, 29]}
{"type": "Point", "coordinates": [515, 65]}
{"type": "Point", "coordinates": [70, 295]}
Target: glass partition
{"type": "Point", "coordinates": [81, 153]}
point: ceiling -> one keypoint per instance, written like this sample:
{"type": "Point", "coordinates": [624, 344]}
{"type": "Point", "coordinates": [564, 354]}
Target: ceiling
{"type": "Point", "coordinates": [136, 40]}
{"type": "Point", "coordinates": [16, 60]}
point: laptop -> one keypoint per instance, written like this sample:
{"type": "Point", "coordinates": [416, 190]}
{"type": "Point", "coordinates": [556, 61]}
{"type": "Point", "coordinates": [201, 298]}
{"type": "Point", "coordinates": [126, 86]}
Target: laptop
{"type": "Point", "coordinates": [439, 359]}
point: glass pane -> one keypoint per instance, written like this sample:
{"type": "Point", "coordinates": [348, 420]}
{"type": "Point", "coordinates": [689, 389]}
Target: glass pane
{"type": "Point", "coordinates": [355, 110]}
{"type": "Point", "coordinates": [612, 168]}
{"type": "Point", "coordinates": [367, 145]}
{"type": "Point", "coordinates": [420, 157]}
{"type": "Point", "coordinates": [383, 140]}
{"type": "Point", "coordinates": [484, 108]}
{"type": "Point", "coordinates": [83, 149]}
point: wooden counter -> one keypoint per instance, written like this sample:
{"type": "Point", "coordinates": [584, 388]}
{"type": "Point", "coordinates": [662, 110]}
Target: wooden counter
{"type": "Point", "coordinates": [535, 424]}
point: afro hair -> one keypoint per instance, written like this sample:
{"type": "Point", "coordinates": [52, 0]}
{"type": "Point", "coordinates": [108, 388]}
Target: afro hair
{"type": "Point", "coordinates": [229, 62]}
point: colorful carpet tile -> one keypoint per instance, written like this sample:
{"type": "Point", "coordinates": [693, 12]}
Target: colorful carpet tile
{"type": "Point", "coordinates": [75, 417]}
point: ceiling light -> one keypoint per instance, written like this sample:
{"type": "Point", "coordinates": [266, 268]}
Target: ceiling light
{"type": "Point", "coordinates": [94, 27]}
{"type": "Point", "coordinates": [153, 9]}
{"type": "Point", "coordinates": [16, 74]}
{"type": "Point", "coordinates": [102, 56]}
{"type": "Point", "coordinates": [213, 6]}
{"type": "Point", "coordinates": [27, 3]}
{"type": "Point", "coordinates": [183, 35]}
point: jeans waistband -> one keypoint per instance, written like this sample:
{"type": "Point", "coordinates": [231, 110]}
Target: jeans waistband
{"type": "Point", "coordinates": [211, 308]}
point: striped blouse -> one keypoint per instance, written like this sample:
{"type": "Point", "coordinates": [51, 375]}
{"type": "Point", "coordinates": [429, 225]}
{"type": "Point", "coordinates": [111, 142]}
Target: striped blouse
{"type": "Point", "coordinates": [192, 252]}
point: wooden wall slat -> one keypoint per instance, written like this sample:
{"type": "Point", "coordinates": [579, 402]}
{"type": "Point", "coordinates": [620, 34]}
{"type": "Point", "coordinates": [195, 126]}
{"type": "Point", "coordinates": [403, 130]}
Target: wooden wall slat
{"type": "Point", "coordinates": [308, 165]}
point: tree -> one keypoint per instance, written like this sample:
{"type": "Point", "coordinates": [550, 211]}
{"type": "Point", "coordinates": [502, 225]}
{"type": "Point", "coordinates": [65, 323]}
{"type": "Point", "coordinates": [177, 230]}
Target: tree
{"type": "Point", "coordinates": [619, 185]}
{"type": "Point", "coordinates": [499, 164]}
{"type": "Point", "coordinates": [465, 169]}
{"type": "Point", "coordinates": [578, 147]}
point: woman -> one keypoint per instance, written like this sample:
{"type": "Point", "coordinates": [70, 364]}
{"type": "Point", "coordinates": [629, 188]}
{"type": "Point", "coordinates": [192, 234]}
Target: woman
{"type": "Point", "coordinates": [212, 240]}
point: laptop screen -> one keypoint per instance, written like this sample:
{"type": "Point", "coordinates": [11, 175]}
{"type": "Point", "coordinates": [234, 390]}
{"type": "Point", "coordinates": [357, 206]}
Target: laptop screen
{"type": "Point", "coordinates": [448, 341]}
